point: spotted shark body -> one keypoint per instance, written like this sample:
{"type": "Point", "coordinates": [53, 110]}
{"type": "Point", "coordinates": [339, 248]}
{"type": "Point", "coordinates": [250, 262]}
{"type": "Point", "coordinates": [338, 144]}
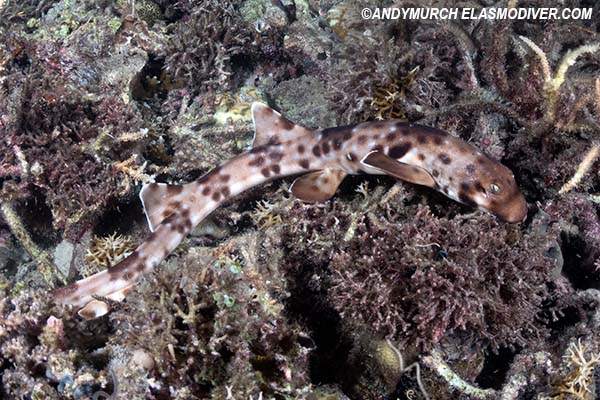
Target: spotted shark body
{"type": "Point", "coordinates": [414, 153]}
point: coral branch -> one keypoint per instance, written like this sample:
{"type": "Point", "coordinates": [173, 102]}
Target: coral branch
{"type": "Point", "coordinates": [542, 56]}
{"type": "Point", "coordinates": [585, 165]}
{"type": "Point", "coordinates": [42, 259]}
{"type": "Point", "coordinates": [567, 61]}
{"type": "Point", "coordinates": [437, 363]}
{"type": "Point", "coordinates": [553, 84]}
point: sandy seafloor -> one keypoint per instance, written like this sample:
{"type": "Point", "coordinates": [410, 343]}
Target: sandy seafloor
{"type": "Point", "coordinates": [386, 291]}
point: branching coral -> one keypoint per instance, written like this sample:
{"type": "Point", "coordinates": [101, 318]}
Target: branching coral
{"type": "Point", "coordinates": [581, 364]}
{"type": "Point", "coordinates": [586, 163]}
{"type": "Point", "coordinates": [54, 115]}
{"type": "Point", "coordinates": [552, 84]}
{"type": "Point", "coordinates": [109, 250]}
{"type": "Point", "coordinates": [41, 257]}
{"type": "Point", "coordinates": [214, 327]}
{"type": "Point", "coordinates": [201, 49]}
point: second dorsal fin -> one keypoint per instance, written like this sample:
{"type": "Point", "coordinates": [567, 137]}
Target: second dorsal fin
{"type": "Point", "coordinates": [270, 127]}
{"type": "Point", "coordinates": [160, 200]}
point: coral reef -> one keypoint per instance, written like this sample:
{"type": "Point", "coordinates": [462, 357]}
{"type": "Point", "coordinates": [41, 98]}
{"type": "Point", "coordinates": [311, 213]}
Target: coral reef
{"type": "Point", "coordinates": [386, 291]}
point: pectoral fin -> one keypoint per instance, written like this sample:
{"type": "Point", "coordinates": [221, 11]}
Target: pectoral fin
{"type": "Point", "coordinates": [318, 185]}
{"type": "Point", "coordinates": [97, 308]}
{"type": "Point", "coordinates": [395, 168]}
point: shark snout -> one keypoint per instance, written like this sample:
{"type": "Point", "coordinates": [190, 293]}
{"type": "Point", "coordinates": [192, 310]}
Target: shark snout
{"type": "Point", "coordinates": [513, 211]}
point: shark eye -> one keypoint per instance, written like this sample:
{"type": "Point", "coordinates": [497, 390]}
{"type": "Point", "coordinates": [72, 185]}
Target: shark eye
{"type": "Point", "coordinates": [494, 188]}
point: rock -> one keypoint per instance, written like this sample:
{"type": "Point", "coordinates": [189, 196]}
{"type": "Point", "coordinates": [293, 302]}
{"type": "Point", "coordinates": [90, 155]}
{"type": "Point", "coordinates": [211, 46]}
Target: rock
{"type": "Point", "coordinates": [303, 101]}
{"type": "Point", "coordinates": [63, 256]}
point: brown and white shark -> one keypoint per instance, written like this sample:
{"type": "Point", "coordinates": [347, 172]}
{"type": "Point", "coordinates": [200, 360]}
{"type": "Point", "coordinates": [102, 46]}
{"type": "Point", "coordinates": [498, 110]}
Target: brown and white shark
{"type": "Point", "coordinates": [410, 152]}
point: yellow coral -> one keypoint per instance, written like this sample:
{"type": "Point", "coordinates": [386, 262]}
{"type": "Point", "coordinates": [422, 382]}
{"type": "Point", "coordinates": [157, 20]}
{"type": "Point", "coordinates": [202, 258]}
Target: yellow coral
{"type": "Point", "coordinates": [386, 101]}
{"type": "Point", "coordinates": [107, 251]}
{"type": "Point", "coordinates": [578, 382]}
{"type": "Point", "coordinates": [232, 107]}
{"type": "Point", "coordinates": [265, 215]}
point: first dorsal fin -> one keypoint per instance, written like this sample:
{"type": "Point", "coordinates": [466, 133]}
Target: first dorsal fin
{"type": "Point", "coordinates": [397, 169]}
{"type": "Point", "coordinates": [159, 201]}
{"type": "Point", "coordinates": [270, 127]}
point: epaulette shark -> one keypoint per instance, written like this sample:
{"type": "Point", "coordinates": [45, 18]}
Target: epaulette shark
{"type": "Point", "coordinates": [413, 153]}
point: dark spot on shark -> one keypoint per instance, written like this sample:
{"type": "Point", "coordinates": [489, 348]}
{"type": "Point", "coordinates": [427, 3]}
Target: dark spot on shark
{"type": "Point", "coordinates": [421, 156]}
{"type": "Point", "coordinates": [400, 150]}
{"type": "Point", "coordinates": [301, 149]}
{"type": "Point", "coordinates": [304, 163]}
{"type": "Point", "coordinates": [470, 168]}
{"type": "Point", "coordinates": [325, 147]}
{"type": "Point", "coordinates": [435, 173]}
{"type": "Point", "coordinates": [206, 191]}
{"type": "Point", "coordinates": [377, 125]}
{"type": "Point", "coordinates": [403, 128]}
{"type": "Point", "coordinates": [465, 199]}
{"type": "Point", "coordinates": [342, 131]}
{"type": "Point", "coordinates": [276, 169]}
{"type": "Point", "coordinates": [174, 189]}
{"type": "Point", "coordinates": [437, 140]}
{"type": "Point", "coordinates": [391, 137]}
{"type": "Point", "coordinates": [285, 124]}
{"type": "Point", "coordinates": [427, 130]}
{"type": "Point", "coordinates": [203, 179]}
{"type": "Point", "coordinates": [216, 196]}
{"type": "Point", "coordinates": [362, 139]}
{"type": "Point", "coordinates": [257, 149]}
{"type": "Point", "coordinates": [317, 150]}
{"type": "Point", "coordinates": [479, 187]}
{"type": "Point", "coordinates": [266, 173]}
{"type": "Point", "coordinates": [445, 158]}
{"type": "Point", "coordinates": [224, 178]}
{"type": "Point", "coordinates": [276, 156]}
{"type": "Point", "coordinates": [258, 161]}
{"type": "Point", "coordinates": [337, 143]}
